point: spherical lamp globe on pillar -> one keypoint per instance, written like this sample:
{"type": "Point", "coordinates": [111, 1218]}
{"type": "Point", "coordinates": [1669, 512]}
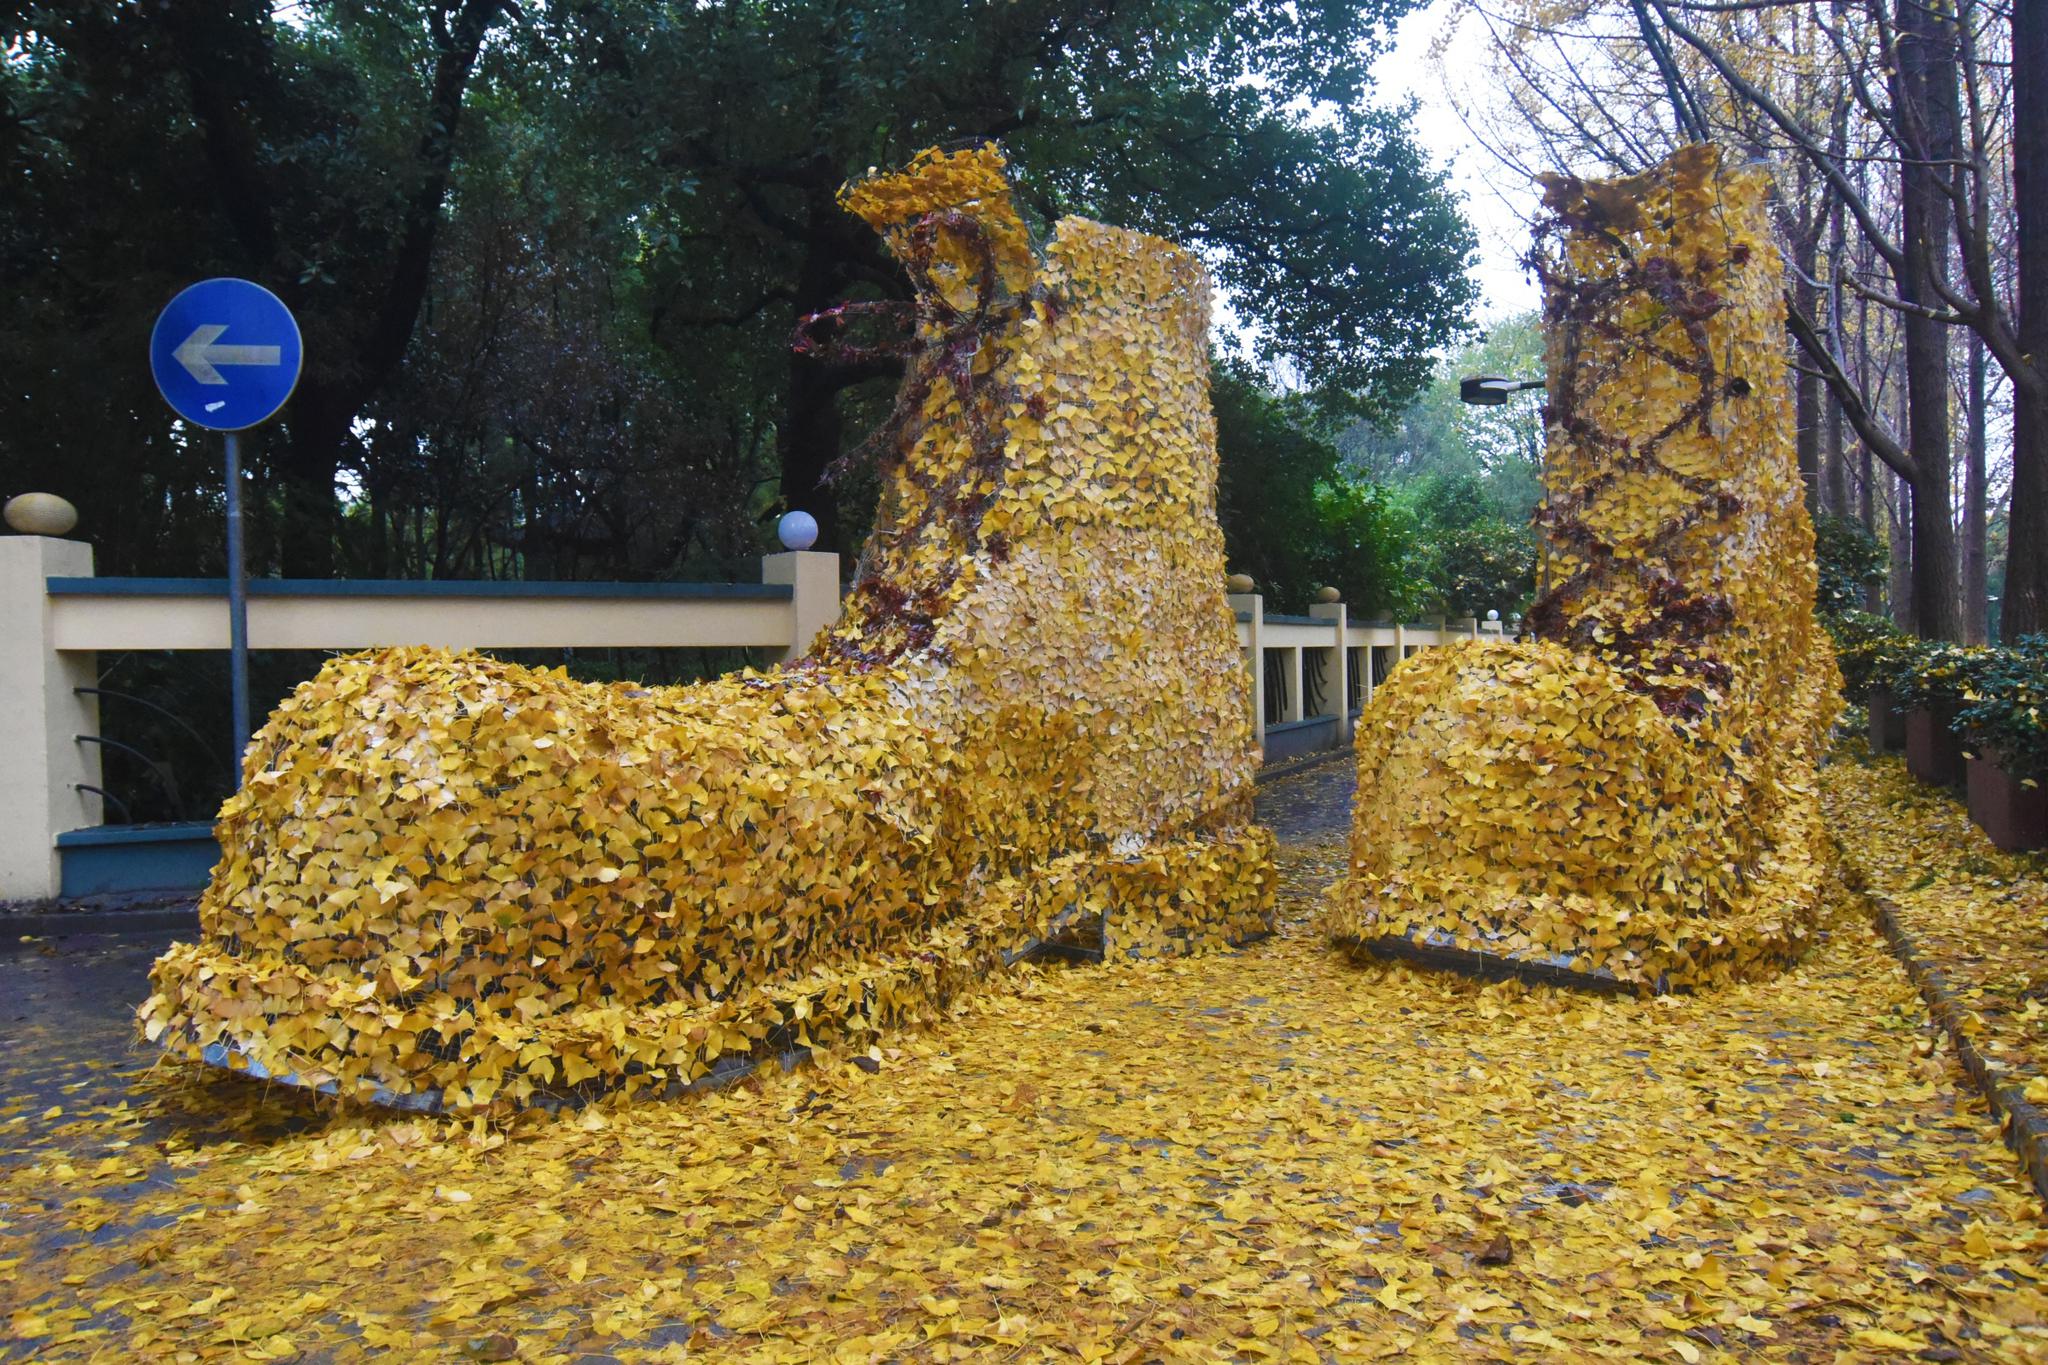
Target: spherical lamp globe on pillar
{"type": "Point", "coordinates": [797, 530]}
{"type": "Point", "coordinates": [40, 514]}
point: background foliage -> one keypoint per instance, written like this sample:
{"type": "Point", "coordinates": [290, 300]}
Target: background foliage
{"type": "Point", "coordinates": [1420, 510]}
{"type": "Point", "coordinates": [548, 258]}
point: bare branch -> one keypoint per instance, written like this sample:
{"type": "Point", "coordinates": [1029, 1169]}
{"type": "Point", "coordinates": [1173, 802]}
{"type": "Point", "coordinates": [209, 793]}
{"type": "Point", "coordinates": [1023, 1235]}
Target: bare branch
{"type": "Point", "coordinates": [1868, 427]}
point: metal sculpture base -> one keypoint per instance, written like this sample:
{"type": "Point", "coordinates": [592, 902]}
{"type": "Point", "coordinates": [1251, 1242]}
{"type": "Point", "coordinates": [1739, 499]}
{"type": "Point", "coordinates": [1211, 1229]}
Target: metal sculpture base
{"type": "Point", "coordinates": [1437, 949]}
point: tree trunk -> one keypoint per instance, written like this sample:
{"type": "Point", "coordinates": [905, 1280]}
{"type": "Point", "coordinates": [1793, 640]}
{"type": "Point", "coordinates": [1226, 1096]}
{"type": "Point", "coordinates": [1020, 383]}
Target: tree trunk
{"type": "Point", "coordinates": [1834, 461]}
{"type": "Point", "coordinates": [2025, 609]}
{"type": "Point", "coordinates": [1866, 512]}
{"type": "Point", "coordinates": [1806, 388]}
{"type": "Point", "coordinates": [1899, 539]}
{"type": "Point", "coordinates": [1924, 85]}
{"type": "Point", "coordinates": [1976, 603]}
{"type": "Point", "coordinates": [809, 437]}
{"type": "Point", "coordinates": [311, 522]}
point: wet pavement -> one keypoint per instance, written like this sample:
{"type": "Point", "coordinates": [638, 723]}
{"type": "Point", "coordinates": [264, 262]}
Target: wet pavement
{"type": "Point", "coordinates": [67, 1032]}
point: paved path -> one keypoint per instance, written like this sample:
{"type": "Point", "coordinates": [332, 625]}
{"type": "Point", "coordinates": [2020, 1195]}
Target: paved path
{"type": "Point", "coordinates": [67, 1032]}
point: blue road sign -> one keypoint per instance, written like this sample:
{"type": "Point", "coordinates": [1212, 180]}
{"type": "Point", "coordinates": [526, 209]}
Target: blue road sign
{"type": "Point", "coordinates": [225, 354]}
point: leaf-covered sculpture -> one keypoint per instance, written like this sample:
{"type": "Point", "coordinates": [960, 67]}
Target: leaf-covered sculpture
{"type": "Point", "coordinates": [453, 881]}
{"type": "Point", "coordinates": [1628, 800]}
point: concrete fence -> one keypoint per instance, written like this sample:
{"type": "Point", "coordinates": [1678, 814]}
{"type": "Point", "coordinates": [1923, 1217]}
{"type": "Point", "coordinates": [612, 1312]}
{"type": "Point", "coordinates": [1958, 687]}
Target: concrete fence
{"type": "Point", "coordinates": [1308, 676]}
{"type": "Point", "coordinates": [1311, 675]}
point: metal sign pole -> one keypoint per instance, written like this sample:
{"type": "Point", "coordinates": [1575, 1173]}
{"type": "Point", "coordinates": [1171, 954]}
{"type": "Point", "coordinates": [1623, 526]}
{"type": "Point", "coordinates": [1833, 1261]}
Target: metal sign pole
{"type": "Point", "coordinates": [238, 606]}
{"type": "Point", "coordinates": [226, 355]}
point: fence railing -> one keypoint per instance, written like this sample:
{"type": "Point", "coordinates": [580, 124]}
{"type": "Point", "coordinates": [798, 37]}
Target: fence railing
{"type": "Point", "coordinates": [1311, 675]}
{"type": "Point", "coordinates": [1307, 676]}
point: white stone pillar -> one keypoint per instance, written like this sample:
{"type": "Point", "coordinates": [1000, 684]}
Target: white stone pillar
{"type": "Point", "coordinates": [1253, 605]}
{"type": "Point", "coordinates": [813, 578]}
{"type": "Point", "coordinates": [41, 761]}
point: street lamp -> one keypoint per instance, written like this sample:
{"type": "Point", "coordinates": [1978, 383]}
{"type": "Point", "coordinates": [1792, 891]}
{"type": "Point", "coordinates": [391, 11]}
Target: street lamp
{"type": "Point", "coordinates": [1490, 391]}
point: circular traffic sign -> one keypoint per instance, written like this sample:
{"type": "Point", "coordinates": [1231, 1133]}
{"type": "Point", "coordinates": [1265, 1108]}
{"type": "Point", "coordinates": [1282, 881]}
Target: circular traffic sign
{"type": "Point", "coordinates": [225, 354]}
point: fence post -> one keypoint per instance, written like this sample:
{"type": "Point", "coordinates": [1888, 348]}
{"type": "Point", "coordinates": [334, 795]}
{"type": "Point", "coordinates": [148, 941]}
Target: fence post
{"type": "Point", "coordinates": [1252, 606]}
{"type": "Point", "coordinates": [813, 578]}
{"type": "Point", "coordinates": [42, 718]}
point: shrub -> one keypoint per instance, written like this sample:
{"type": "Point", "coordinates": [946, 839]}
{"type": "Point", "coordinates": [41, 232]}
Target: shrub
{"type": "Point", "coordinates": [2002, 717]}
{"type": "Point", "coordinates": [1850, 559]}
{"type": "Point", "coordinates": [1940, 676]}
{"type": "Point", "coordinates": [1872, 651]}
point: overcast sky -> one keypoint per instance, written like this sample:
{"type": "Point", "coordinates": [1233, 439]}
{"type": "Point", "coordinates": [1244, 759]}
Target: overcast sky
{"type": "Point", "coordinates": [1497, 201]}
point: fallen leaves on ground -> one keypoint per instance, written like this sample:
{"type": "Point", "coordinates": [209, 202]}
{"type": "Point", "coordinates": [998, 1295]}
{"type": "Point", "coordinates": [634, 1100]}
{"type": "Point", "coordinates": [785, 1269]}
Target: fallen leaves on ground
{"type": "Point", "coordinates": [1259, 1155]}
{"type": "Point", "coordinates": [1978, 914]}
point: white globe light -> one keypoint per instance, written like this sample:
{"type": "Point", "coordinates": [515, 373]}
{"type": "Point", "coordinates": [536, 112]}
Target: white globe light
{"type": "Point", "coordinates": [40, 514]}
{"type": "Point", "coordinates": [1493, 616]}
{"type": "Point", "coordinates": [797, 530]}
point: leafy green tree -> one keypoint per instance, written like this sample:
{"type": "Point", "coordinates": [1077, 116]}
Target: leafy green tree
{"type": "Point", "coordinates": [1271, 464]}
{"type": "Point", "coordinates": [548, 258]}
{"type": "Point", "coordinates": [1365, 546]}
{"type": "Point", "coordinates": [160, 143]}
{"type": "Point", "coordinates": [1851, 560]}
{"type": "Point", "coordinates": [1291, 518]}
{"type": "Point", "coordinates": [1440, 434]}
{"type": "Point", "coordinates": [1471, 558]}
{"type": "Point", "coordinates": [1238, 127]}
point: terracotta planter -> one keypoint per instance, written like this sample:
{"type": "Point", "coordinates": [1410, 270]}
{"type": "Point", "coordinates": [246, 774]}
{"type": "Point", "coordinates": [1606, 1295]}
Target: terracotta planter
{"type": "Point", "coordinates": [1933, 752]}
{"type": "Point", "coordinates": [2016, 817]}
{"type": "Point", "coordinates": [1887, 723]}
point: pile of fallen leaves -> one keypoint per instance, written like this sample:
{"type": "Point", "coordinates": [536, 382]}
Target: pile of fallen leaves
{"type": "Point", "coordinates": [1978, 914]}
{"type": "Point", "coordinates": [1630, 796]}
{"type": "Point", "coordinates": [457, 881]}
{"type": "Point", "coordinates": [1241, 1156]}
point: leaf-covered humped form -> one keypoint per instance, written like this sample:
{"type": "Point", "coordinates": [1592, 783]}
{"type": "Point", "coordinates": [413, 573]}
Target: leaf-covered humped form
{"type": "Point", "coordinates": [463, 882]}
{"type": "Point", "coordinates": [1630, 797]}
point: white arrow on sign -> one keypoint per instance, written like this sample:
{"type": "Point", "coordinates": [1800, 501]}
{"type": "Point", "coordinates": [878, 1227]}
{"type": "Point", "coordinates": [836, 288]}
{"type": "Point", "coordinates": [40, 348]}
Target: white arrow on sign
{"type": "Point", "coordinates": [199, 355]}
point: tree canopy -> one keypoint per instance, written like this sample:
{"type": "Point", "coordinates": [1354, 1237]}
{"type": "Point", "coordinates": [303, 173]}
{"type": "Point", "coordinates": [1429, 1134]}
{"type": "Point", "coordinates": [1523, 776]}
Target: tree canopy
{"type": "Point", "coordinates": [548, 258]}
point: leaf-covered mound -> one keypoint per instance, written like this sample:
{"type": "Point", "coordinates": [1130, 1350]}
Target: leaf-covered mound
{"type": "Point", "coordinates": [466, 882]}
{"type": "Point", "coordinates": [1631, 797]}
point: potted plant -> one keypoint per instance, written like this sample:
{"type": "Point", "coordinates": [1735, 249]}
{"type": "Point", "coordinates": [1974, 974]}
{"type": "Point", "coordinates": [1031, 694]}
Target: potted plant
{"type": "Point", "coordinates": [2007, 736]}
{"type": "Point", "coordinates": [1933, 689]}
{"type": "Point", "coordinates": [1871, 652]}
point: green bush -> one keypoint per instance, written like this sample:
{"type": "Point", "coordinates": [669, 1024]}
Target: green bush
{"type": "Point", "coordinates": [1940, 677]}
{"type": "Point", "coordinates": [1471, 555]}
{"type": "Point", "coordinates": [2002, 716]}
{"type": "Point", "coordinates": [1850, 559]}
{"type": "Point", "coordinates": [1872, 651]}
{"type": "Point", "coordinates": [1998, 694]}
{"type": "Point", "coordinates": [1361, 547]}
